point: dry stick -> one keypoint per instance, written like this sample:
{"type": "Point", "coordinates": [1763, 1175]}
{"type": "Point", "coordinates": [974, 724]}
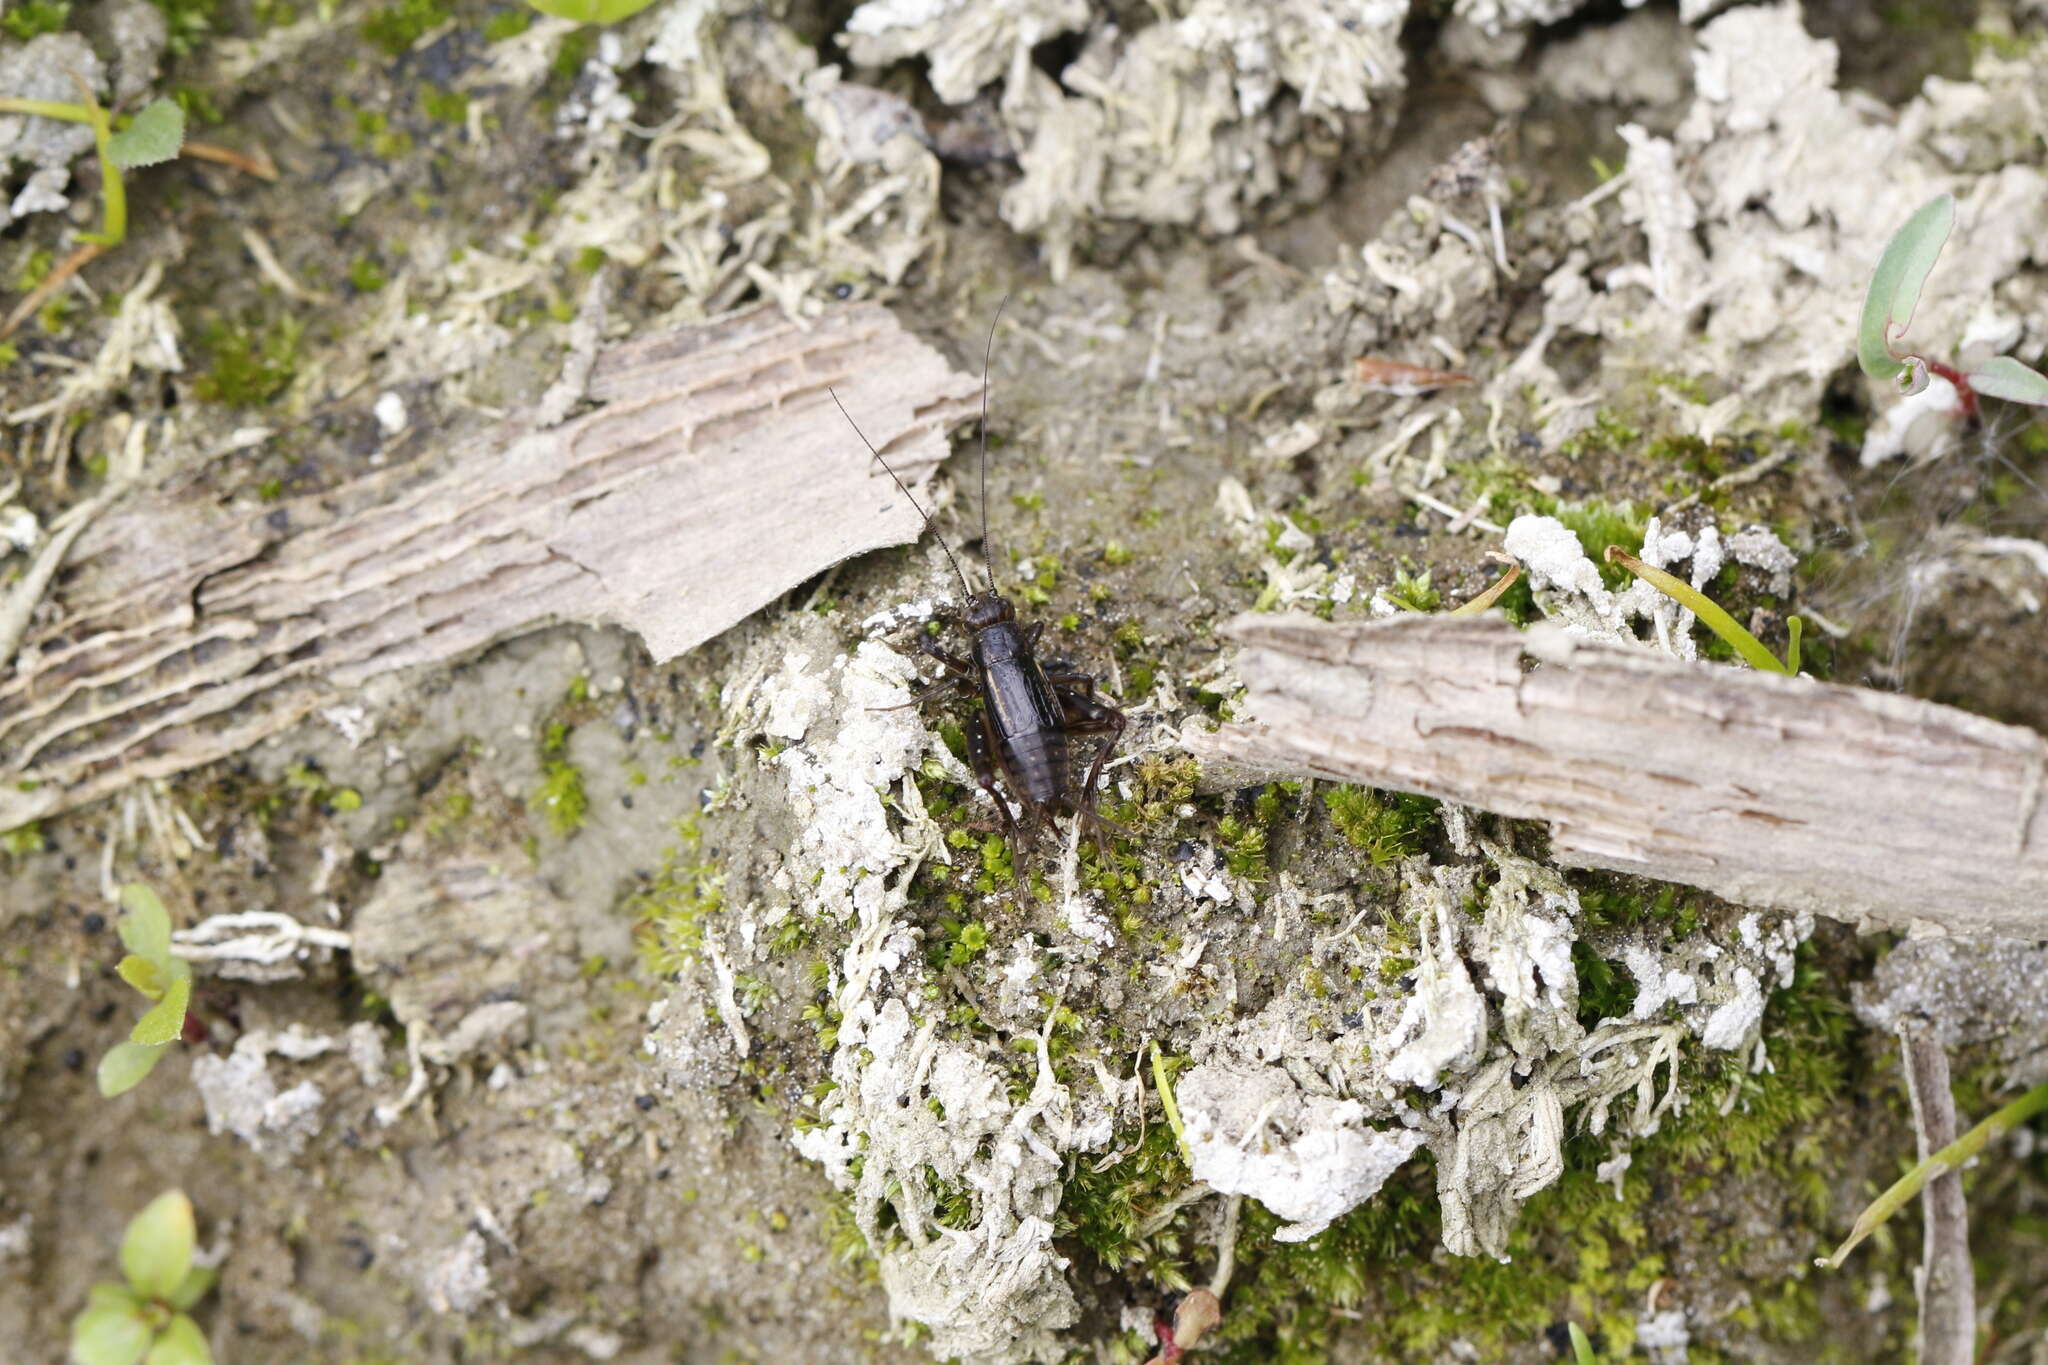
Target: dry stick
{"type": "Point", "coordinates": [256, 163]}
{"type": "Point", "coordinates": [1946, 1286]}
{"type": "Point", "coordinates": [1775, 791]}
{"type": "Point", "coordinates": [52, 282]}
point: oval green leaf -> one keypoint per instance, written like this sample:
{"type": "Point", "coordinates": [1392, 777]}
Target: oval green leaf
{"type": "Point", "coordinates": [157, 1250]}
{"type": "Point", "coordinates": [145, 925]}
{"type": "Point", "coordinates": [193, 1287]}
{"type": "Point", "coordinates": [591, 11]}
{"type": "Point", "coordinates": [109, 1334]}
{"type": "Point", "coordinates": [125, 1066]}
{"type": "Point", "coordinates": [154, 136]}
{"type": "Point", "coordinates": [166, 1019]}
{"type": "Point", "coordinates": [1895, 286]}
{"type": "Point", "coordinates": [182, 1343]}
{"type": "Point", "coordinates": [2008, 379]}
{"type": "Point", "coordinates": [143, 975]}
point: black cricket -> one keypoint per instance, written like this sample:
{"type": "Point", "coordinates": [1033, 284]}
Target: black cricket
{"type": "Point", "coordinates": [1029, 719]}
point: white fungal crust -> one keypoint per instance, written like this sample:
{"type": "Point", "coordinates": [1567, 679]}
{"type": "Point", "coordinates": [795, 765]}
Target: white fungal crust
{"type": "Point", "coordinates": [1478, 1052]}
{"type": "Point", "coordinates": [1759, 236]}
{"type": "Point", "coordinates": [1191, 120]}
{"type": "Point", "coordinates": [917, 1124]}
{"type": "Point", "coordinates": [1252, 1130]}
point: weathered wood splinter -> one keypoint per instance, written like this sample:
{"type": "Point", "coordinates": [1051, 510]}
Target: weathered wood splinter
{"type": "Point", "coordinates": [1768, 790]}
{"type": "Point", "coordinates": [714, 475]}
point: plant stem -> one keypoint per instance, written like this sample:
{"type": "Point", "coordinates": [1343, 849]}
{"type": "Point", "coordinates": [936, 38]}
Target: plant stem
{"type": "Point", "coordinates": [1947, 1159]}
{"type": "Point", "coordinates": [113, 195]}
{"type": "Point", "coordinates": [69, 113]}
{"type": "Point", "coordinates": [1966, 395]}
{"type": "Point", "coordinates": [1700, 605]}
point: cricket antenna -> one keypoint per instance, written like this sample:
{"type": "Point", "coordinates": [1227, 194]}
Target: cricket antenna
{"type": "Point", "coordinates": [988, 551]}
{"type": "Point", "coordinates": [964, 584]}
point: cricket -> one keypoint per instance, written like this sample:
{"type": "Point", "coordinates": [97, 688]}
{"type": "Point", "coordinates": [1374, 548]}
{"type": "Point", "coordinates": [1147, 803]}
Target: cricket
{"type": "Point", "coordinates": [1031, 725]}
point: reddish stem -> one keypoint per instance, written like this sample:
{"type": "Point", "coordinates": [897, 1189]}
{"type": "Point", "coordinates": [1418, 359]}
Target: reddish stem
{"type": "Point", "coordinates": [1966, 397]}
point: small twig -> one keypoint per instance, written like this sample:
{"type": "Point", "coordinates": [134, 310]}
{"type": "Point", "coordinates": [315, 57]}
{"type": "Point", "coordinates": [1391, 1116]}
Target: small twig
{"type": "Point", "coordinates": [1946, 1285]}
{"type": "Point", "coordinates": [51, 283]}
{"type": "Point", "coordinates": [1442, 508]}
{"type": "Point", "coordinates": [1226, 1248]}
{"type": "Point", "coordinates": [256, 163]}
{"type": "Point", "coordinates": [274, 271]}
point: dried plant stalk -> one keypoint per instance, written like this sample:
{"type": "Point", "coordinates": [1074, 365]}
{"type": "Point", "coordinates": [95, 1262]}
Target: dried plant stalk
{"type": "Point", "coordinates": [1769, 790]}
{"type": "Point", "coordinates": [715, 475]}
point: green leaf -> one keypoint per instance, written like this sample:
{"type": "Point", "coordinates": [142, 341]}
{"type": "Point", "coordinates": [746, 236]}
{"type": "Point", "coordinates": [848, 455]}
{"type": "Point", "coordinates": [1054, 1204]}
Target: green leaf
{"type": "Point", "coordinates": [145, 925]}
{"type": "Point", "coordinates": [193, 1287]}
{"type": "Point", "coordinates": [125, 1066]}
{"type": "Point", "coordinates": [155, 136]}
{"type": "Point", "coordinates": [157, 1250]}
{"type": "Point", "coordinates": [109, 1334]}
{"type": "Point", "coordinates": [107, 1294]}
{"type": "Point", "coordinates": [591, 11]}
{"type": "Point", "coordinates": [1895, 286]}
{"type": "Point", "coordinates": [181, 1344]}
{"type": "Point", "coordinates": [2008, 379]}
{"type": "Point", "coordinates": [143, 975]}
{"type": "Point", "coordinates": [1582, 1349]}
{"type": "Point", "coordinates": [166, 1019]}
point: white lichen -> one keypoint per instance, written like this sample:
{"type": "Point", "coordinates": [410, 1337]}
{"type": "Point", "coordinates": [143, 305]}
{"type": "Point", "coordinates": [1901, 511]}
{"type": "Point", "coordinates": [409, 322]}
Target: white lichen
{"type": "Point", "coordinates": [1308, 1158]}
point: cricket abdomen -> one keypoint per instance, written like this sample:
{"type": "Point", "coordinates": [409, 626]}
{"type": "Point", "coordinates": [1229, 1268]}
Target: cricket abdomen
{"type": "Point", "coordinates": [1031, 739]}
{"type": "Point", "coordinates": [1038, 763]}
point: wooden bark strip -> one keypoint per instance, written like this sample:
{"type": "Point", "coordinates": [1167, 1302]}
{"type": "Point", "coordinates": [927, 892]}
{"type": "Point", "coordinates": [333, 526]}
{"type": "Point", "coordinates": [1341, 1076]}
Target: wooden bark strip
{"type": "Point", "coordinates": [716, 475]}
{"type": "Point", "coordinates": [1767, 790]}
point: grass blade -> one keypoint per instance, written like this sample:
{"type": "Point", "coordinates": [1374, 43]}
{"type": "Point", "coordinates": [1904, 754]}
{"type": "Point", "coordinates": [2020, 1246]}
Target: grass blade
{"type": "Point", "coordinates": [1947, 1159]}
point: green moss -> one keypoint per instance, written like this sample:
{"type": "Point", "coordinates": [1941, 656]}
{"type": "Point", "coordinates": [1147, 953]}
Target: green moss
{"type": "Point", "coordinates": [366, 275]}
{"type": "Point", "coordinates": [1599, 525]}
{"type": "Point", "coordinates": [507, 23]}
{"type": "Point", "coordinates": [1388, 826]}
{"type": "Point", "coordinates": [1608, 433]}
{"type": "Point", "coordinates": [249, 364]}
{"type": "Point", "coordinates": [561, 797]}
{"type": "Point", "coordinates": [571, 55]}
{"type": "Point", "coordinates": [957, 943]}
{"type": "Point", "coordinates": [444, 106]}
{"type": "Point", "coordinates": [1412, 590]}
{"type": "Point", "coordinates": [1244, 848]}
{"type": "Point", "coordinates": [672, 909]}
{"type": "Point", "coordinates": [189, 22]}
{"type": "Point", "coordinates": [395, 28]}
{"type": "Point", "coordinates": [22, 840]}
{"type": "Point", "coordinates": [1108, 1210]}
{"type": "Point", "coordinates": [27, 19]}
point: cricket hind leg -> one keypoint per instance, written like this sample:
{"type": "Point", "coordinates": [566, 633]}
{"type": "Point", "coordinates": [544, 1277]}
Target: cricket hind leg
{"type": "Point", "coordinates": [1083, 713]}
